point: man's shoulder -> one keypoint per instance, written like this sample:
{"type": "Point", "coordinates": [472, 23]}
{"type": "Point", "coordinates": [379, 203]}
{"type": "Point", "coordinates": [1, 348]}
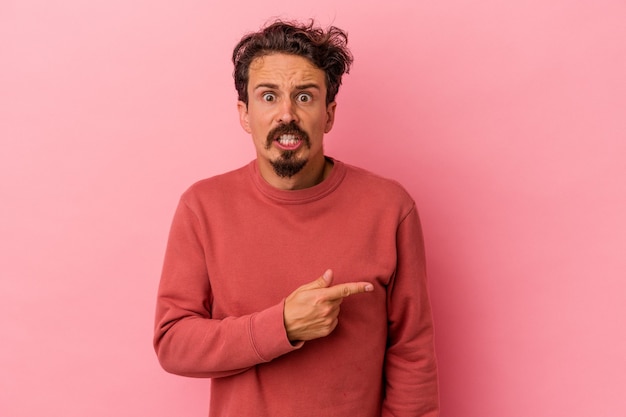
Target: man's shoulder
{"type": "Point", "coordinates": [376, 184]}
{"type": "Point", "coordinates": [376, 193]}
{"type": "Point", "coordinates": [222, 185]}
{"type": "Point", "coordinates": [227, 179]}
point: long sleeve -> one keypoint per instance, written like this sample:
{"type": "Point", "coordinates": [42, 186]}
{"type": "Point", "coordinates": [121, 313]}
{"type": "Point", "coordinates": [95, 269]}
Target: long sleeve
{"type": "Point", "coordinates": [410, 366]}
{"type": "Point", "coordinates": [188, 341]}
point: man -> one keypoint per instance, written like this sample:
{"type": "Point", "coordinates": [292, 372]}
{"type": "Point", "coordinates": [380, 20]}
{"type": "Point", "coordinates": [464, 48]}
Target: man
{"type": "Point", "coordinates": [260, 259]}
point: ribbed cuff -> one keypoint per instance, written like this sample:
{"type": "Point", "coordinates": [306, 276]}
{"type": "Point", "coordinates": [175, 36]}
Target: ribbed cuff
{"type": "Point", "coordinates": [268, 334]}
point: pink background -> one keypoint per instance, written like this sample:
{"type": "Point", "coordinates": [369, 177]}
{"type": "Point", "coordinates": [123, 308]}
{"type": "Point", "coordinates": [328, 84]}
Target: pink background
{"type": "Point", "coordinates": [505, 120]}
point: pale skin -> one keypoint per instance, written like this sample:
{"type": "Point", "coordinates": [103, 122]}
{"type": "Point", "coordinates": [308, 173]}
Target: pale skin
{"type": "Point", "coordinates": [283, 89]}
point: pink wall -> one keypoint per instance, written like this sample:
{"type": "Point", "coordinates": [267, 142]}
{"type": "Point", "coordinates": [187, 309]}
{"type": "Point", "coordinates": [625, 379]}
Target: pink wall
{"type": "Point", "coordinates": [505, 120]}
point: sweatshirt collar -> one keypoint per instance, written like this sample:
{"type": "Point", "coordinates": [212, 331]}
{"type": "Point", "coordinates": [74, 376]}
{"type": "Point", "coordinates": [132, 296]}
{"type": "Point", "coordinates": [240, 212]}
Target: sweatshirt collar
{"type": "Point", "coordinates": [305, 195]}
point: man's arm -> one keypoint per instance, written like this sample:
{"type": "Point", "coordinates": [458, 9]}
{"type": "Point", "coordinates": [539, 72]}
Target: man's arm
{"type": "Point", "coordinates": [410, 366]}
{"type": "Point", "coordinates": [189, 342]}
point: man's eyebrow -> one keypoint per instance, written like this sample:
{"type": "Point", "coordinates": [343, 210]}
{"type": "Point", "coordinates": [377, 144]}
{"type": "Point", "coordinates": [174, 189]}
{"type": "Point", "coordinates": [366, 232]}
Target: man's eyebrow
{"type": "Point", "coordinates": [307, 86]}
{"type": "Point", "coordinates": [298, 87]}
{"type": "Point", "coordinates": [266, 85]}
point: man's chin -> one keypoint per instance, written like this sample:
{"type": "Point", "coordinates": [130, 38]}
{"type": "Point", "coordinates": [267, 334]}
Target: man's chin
{"type": "Point", "coordinates": [287, 167]}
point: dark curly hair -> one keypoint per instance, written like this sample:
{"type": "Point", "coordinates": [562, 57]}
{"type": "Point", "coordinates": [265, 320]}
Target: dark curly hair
{"type": "Point", "coordinates": [326, 49]}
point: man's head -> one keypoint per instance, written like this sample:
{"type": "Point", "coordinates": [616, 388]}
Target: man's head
{"type": "Point", "coordinates": [325, 49]}
{"type": "Point", "coordinates": [287, 76]}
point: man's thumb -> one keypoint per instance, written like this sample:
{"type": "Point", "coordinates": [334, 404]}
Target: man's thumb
{"type": "Point", "coordinates": [327, 276]}
{"type": "Point", "coordinates": [322, 282]}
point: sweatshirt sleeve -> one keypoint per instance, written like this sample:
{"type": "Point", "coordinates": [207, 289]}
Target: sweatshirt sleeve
{"type": "Point", "coordinates": [187, 340]}
{"type": "Point", "coordinates": [410, 365]}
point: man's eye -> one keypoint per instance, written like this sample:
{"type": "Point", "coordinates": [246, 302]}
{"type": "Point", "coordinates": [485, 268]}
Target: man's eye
{"type": "Point", "coordinates": [304, 97]}
{"type": "Point", "coordinates": [269, 97]}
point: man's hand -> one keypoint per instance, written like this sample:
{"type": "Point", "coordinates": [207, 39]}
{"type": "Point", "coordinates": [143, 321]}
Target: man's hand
{"type": "Point", "coordinates": [311, 311]}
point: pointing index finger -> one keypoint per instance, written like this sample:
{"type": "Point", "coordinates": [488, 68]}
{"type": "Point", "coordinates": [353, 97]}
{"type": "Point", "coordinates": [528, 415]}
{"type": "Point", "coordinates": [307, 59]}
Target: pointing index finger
{"type": "Point", "coordinates": [350, 288]}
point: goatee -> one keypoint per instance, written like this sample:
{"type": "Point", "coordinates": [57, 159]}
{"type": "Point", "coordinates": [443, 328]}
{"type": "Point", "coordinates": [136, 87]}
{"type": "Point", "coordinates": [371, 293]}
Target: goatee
{"type": "Point", "coordinates": [287, 165]}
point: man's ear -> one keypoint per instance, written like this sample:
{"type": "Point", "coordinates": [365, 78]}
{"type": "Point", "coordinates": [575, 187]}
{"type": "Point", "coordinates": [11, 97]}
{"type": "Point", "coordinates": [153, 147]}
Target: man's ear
{"type": "Point", "coordinates": [330, 116]}
{"type": "Point", "coordinates": [243, 115]}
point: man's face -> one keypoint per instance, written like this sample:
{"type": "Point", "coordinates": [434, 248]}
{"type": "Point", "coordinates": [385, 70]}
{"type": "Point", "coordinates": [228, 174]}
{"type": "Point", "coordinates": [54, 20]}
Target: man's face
{"type": "Point", "coordinates": [287, 115]}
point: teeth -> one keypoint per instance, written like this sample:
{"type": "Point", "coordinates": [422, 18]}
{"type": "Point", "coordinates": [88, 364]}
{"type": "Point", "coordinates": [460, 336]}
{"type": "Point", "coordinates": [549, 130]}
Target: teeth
{"type": "Point", "coordinates": [288, 140]}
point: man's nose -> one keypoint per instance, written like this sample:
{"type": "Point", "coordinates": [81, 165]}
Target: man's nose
{"type": "Point", "coordinates": [287, 113]}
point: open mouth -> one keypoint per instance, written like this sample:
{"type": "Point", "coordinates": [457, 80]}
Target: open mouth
{"type": "Point", "coordinates": [287, 137]}
{"type": "Point", "coordinates": [288, 141]}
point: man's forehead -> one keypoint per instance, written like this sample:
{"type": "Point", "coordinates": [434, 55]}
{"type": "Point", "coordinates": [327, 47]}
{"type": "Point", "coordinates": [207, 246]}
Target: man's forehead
{"type": "Point", "coordinates": [284, 68]}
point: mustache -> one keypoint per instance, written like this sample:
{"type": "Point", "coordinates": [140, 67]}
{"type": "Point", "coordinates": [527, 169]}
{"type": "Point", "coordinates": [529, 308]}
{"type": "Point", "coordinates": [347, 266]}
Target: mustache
{"type": "Point", "coordinates": [290, 128]}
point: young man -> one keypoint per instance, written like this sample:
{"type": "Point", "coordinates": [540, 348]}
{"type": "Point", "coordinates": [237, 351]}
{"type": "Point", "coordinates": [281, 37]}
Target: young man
{"type": "Point", "coordinates": [239, 301]}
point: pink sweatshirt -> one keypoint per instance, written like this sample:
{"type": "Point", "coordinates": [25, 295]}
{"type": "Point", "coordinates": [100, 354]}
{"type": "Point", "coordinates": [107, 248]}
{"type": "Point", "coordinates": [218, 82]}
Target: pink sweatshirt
{"type": "Point", "coordinates": [238, 247]}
